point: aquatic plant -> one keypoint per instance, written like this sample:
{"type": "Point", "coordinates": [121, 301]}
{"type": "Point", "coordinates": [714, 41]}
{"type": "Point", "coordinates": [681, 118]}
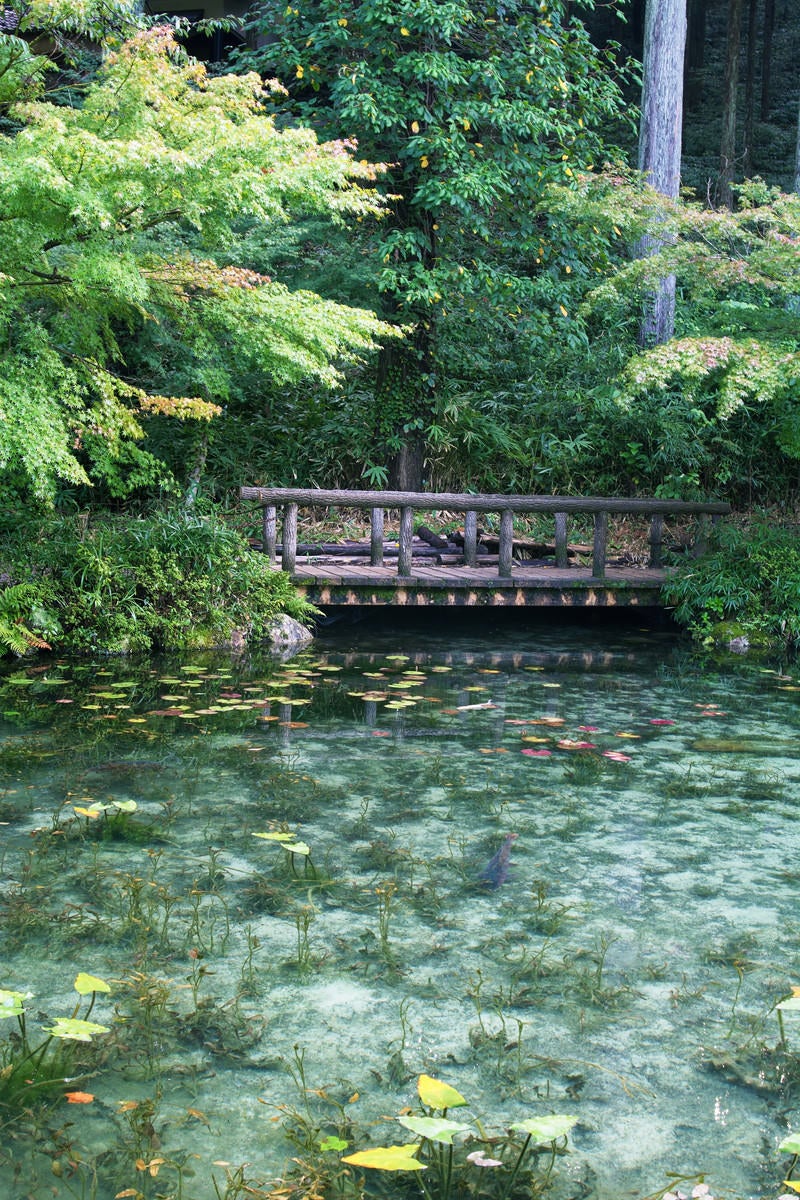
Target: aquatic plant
{"type": "Point", "coordinates": [293, 847]}
{"type": "Point", "coordinates": [434, 1151]}
{"type": "Point", "coordinates": [34, 1069]}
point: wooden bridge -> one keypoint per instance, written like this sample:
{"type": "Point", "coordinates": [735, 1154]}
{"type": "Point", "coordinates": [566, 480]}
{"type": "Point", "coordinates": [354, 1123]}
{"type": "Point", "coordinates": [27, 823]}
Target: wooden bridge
{"type": "Point", "coordinates": [477, 569]}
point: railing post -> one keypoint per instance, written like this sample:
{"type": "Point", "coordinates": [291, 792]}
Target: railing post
{"type": "Point", "coordinates": [599, 547]}
{"type": "Point", "coordinates": [269, 527]}
{"type": "Point", "coordinates": [289, 550]}
{"type": "Point", "coordinates": [406, 534]}
{"type": "Point", "coordinates": [562, 558]}
{"type": "Point", "coordinates": [704, 524]}
{"type": "Point", "coordinates": [506, 551]}
{"type": "Point", "coordinates": [656, 539]}
{"type": "Point", "coordinates": [470, 538]}
{"type": "Point", "coordinates": [376, 537]}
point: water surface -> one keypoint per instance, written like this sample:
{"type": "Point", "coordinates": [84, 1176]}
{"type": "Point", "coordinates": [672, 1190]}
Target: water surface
{"type": "Point", "coordinates": [625, 971]}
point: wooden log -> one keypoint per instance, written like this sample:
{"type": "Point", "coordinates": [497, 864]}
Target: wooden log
{"type": "Point", "coordinates": [406, 535]}
{"type": "Point", "coordinates": [467, 502]}
{"type": "Point", "coordinates": [269, 531]}
{"type": "Point", "coordinates": [506, 549]}
{"type": "Point", "coordinates": [289, 548]}
{"type": "Point", "coordinates": [656, 540]}
{"type": "Point", "coordinates": [433, 539]}
{"type": "Point", "coordinates": [470, 537]}
{"type": "Point", "coordinates": [376, 537]}
{"type": "Point", "coordinates": [599, 545]}
{"type": "Point", "coordinates": [561, 539]}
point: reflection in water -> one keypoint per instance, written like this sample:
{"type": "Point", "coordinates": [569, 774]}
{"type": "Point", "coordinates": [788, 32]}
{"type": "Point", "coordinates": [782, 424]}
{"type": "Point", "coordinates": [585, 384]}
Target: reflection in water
{"type": "Point", "coordinates": [285, 863]}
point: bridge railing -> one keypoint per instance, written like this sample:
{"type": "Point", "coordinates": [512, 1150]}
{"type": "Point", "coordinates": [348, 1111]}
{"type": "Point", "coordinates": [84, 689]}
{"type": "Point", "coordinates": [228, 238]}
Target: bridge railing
{"type": "Point", "coordinates": [408, 503]}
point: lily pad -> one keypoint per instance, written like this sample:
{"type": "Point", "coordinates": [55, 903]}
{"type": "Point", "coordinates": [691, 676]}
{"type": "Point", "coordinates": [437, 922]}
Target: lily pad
{"type": "Point", "coordinates": [72, 1029]}
{"type": "Point", "coordinates": [435, 1129]}
{"type": "Point", "coordinates": [546, 1129]}
{"type": "Point", "coordinates": [387, 1158]}
{"type": "Point", "coordinates": [86, 984]}
{"type": "Point", "coordinates": [435, 1094]}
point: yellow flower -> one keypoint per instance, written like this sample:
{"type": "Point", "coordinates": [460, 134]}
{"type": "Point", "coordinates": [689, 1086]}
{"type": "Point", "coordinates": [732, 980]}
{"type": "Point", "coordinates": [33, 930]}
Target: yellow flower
{"type": "Point", "coordinates": [415, 126]}
{"type": "Point", "coordinates": [299, 72]}
{"type": "Point", "coordinates": [563, 311]}
{"type": "Point", "coordinates": [423, 162]}
{"type": "Point", "coordinates": [405, 32]}
{"type": "Point", "coordinates": [342, 21]}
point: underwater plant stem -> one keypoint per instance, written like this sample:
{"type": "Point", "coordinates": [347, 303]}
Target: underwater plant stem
{"type": "Point", "coordinates": [450, 1150]}
{"type": "Point", "coordinates": [740, 973]}
{"type": "Point", "coordinates": [515, 1172]}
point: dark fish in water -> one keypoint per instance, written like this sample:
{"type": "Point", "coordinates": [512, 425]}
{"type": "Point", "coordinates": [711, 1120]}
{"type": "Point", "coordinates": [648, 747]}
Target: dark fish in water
{"type": "Point", "coordinates": [496, 870]}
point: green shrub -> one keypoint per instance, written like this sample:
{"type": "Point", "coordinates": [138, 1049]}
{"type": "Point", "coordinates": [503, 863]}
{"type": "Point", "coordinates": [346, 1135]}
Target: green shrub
{"type": "Point", "coordinates": [750, 577]}
{"type": "Point", "coordinates": [172, 579]}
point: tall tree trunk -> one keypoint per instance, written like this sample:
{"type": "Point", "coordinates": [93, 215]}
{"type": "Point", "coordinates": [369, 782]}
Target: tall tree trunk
{"type": "Point", "coordinates": [797, 158]}
{"type": "Point", "coordinates": [750, 88]}
{"type": "Point", "coordinates": [766, 57]}
{"type": "Point", "coordinates": [730, 88]}
{"type": "Point", "coordinates": [660, 142]}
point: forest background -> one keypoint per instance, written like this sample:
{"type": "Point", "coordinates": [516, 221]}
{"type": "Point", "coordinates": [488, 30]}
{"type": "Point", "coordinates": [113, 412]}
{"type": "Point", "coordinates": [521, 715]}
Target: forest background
{"type": "Point", "coordinates": [389, 242]}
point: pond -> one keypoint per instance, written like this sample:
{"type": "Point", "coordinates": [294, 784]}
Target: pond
{"type": "Point", "coordinates": [282, 872]}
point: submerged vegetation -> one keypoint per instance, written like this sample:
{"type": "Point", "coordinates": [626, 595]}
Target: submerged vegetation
{"type": "Point", "coordinates": [278, 870]}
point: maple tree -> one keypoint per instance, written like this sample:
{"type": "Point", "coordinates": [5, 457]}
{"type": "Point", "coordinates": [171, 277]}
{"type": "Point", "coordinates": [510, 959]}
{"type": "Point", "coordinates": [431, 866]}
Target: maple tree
{"type": "Point", "coordinates": [126, 213]}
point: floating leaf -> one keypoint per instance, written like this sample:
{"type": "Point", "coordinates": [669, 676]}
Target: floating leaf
{"type": "Point", "coordinates": [79, 1097]}
{"type": "Point", "coordinates": [790, 1005]}
{"type": "Point", "coordinates": [333, 1143]}
{"type": "Point", "coordinates": [791, 1144]}
{"type": "Point", "coordinates": [435, 1094]}
{"type": "Point", "coordinates": [71, 1029]}
{"type": "Point", "coordinates": [12, 1004]}
{"type": "Point", "coordinates": [435, 1129]}
{"type": "Point", "coordinates": [276, 837]}
{"type": "Point", "coordinates": [546, 1129]}
{"type": "Point", "coordinates": [86, 984]}
{"type": "Point", "coordinates": [387, 1158]}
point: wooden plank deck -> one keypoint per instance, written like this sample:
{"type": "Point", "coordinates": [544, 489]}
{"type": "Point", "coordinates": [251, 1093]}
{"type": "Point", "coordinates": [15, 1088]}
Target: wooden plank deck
{"type": "Point", "coordinates": [335, 583]}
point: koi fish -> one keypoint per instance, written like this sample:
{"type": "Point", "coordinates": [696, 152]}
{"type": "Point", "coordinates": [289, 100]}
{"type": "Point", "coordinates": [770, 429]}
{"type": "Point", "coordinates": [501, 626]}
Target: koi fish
{"type": "Point", "coordinates": [496, 870]}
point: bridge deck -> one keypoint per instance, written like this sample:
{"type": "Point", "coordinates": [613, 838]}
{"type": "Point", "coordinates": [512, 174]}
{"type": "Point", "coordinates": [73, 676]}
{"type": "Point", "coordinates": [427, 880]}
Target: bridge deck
{"type": "Point", "coordinates": [334, 583]}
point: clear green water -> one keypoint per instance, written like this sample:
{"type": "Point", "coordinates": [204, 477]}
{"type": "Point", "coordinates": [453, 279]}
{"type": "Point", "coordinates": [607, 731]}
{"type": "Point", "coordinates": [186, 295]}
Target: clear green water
{"type": "Point", "coordinates": [626, 970]}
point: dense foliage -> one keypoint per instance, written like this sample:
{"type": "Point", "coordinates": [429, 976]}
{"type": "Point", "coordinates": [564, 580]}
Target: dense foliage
{"type": "Point", "coordinates": [476, 107]}
{"type": "Point", "coordinates": [173, 580]}
{"type": "Point", "coordinates": [120, 216]}
{"type": "Point", "coordinates": [747, 587]}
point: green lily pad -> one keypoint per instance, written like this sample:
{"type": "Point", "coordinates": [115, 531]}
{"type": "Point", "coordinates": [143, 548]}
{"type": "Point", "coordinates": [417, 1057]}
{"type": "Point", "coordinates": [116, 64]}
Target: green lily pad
{"type": "Point", "coordinates": [791, 1144]}
{"type": "Point", "coordinates": [333, 1143]}
{"type": "Point", "coordinates": [387, 1158]}
{"type": "Point", "coordinates": [790, 1005]}
{"type": "Point", "coordinates": [435, 1129]}
{"type": "Point", "coordinates": [72, 1029]}
{"type": "Point", "coordinates": [86, 984]}
{"type": "Point", "coordinates": [546, 1129]}
{"type": "Point", "coordinates": [435, 1094]}
{"type": "Point", "coordinates": [12, 1004]}
{"type": "Point", "coordinates": [275, 837]}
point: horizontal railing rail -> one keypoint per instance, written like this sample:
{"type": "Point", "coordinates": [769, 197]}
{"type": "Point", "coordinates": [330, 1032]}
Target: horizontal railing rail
{"type": "Point", "coordinates": [377, 503]}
